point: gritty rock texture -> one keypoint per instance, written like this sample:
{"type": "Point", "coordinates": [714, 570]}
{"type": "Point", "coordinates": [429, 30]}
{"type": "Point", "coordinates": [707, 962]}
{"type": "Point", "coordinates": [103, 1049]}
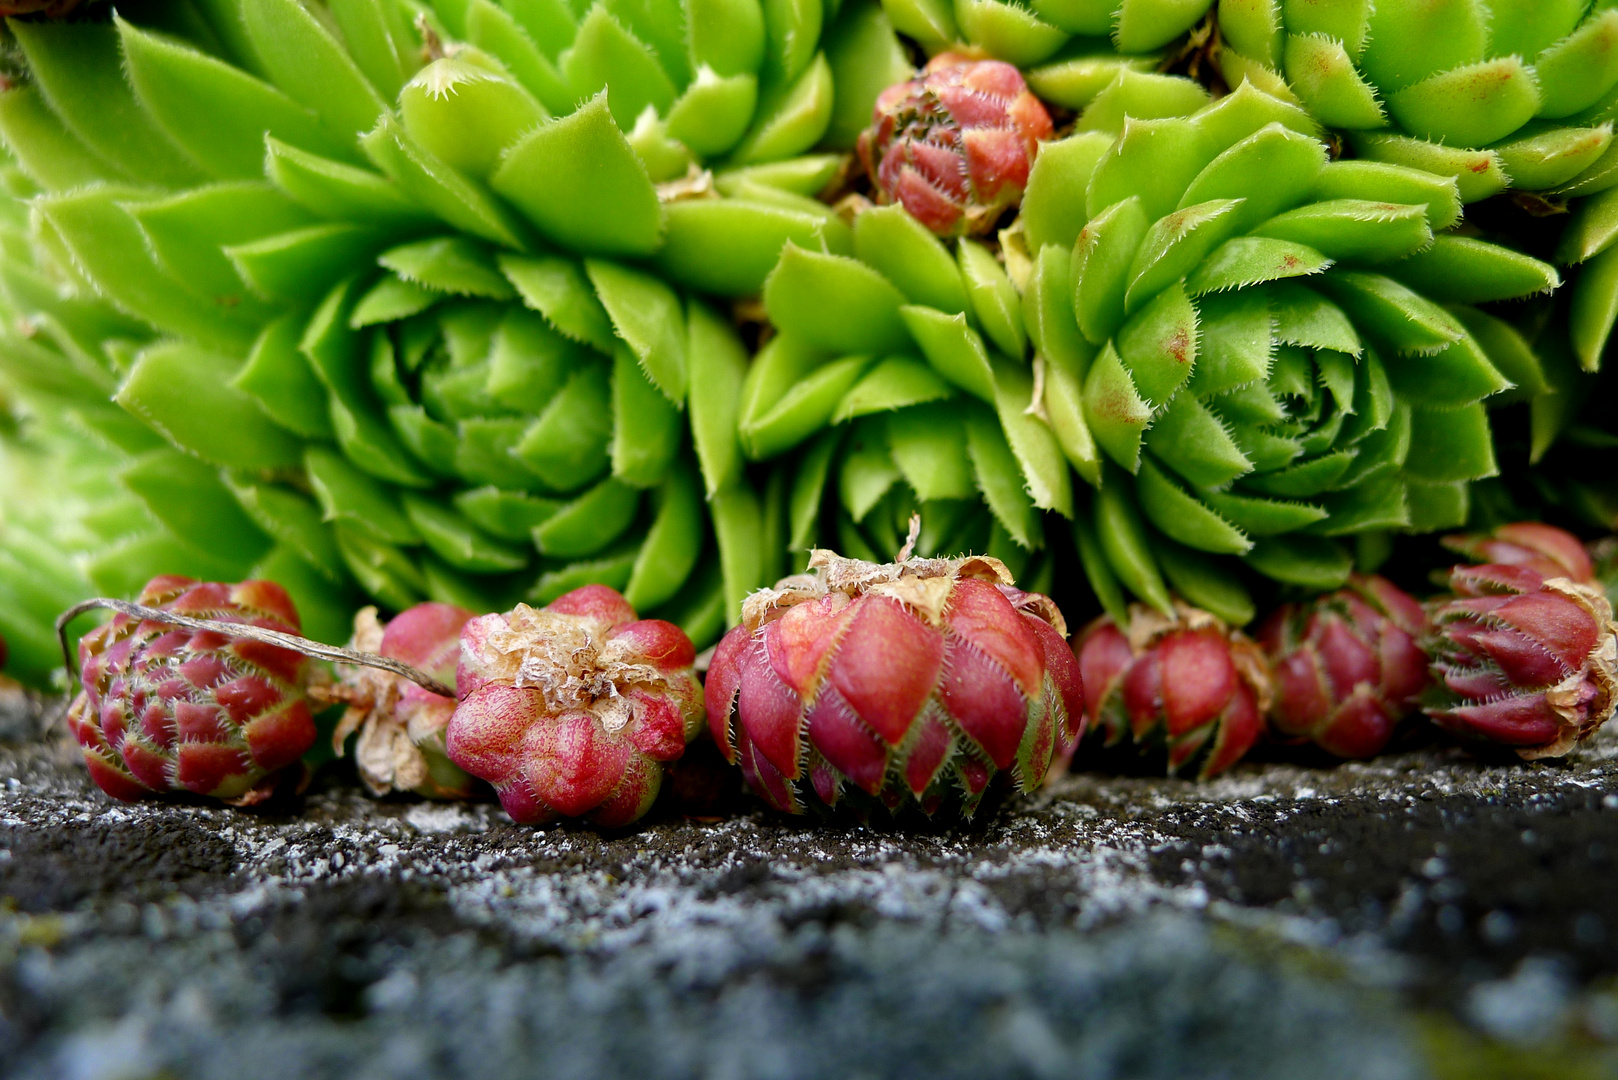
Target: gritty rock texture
{"type": "Point", "coordinates": [1425, 914]}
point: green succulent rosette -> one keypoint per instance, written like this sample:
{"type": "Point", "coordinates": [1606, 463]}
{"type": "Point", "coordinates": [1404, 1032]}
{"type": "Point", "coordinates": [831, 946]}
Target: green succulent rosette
{"type": "Point", "coordinates": [457, 329]}
{"type": "Point", "coordinates": [1514, 94]}
{"type": "Point", "coordinates": [91, 500]}
{"type": "Point", "coordinates": [1070, 50]}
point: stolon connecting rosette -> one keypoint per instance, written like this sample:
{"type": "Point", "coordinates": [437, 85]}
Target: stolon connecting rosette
{"type": "Point", "coordinates": [911, 683]}
{"type": "Point", "coordinates": [1186, 681]}
{"type": "Point", "coordinates": [570, 710]}
{"type": "Point", "coordinates": [1522, 661]}
{"type": "Point", "coordinates": [177, 697]}
{"type": "Point", "coordinates": [401, 723]}
{"type": "Point", "coordinates": [1346, 667]}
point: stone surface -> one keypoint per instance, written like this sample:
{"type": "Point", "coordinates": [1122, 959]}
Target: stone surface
{"type": "Point", "coordinates": [1425, 914]}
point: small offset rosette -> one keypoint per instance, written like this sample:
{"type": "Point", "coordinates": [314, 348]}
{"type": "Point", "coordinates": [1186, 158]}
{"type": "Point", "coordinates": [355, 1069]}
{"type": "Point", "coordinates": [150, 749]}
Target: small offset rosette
{"type": "Point", "coordinates": [1347, 666]}
{"type": "Point", "coordinates": [571, 710]}
{"type": "Point", "coordinates": [1523, 661]}
{"type": "Point", "coordinates": [401, 724]}
{"type": "Point", "coordinates": [1546, 550]}
{"type": "Point", "coordinates": [911, 682]}
{"type": "Point", "coordinates": [1188, 682]}
{"type": "Point", "coordinates": [954, 146]}
{"type": "Point", "coordinates": [169, 709]}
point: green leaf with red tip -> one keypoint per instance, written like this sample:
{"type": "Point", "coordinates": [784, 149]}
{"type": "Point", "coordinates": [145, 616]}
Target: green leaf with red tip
{"type": "Point", "coordinates": [1114, 408]}
{"type": "Point", "coordinates": [906, 252]}
{"type": "Point", "coordinates": [1478, 173]}
{"type": "Point", "coordinates": [647, 315]}
{"type": "Point", "coordinates": [835, 303]}
{"type": "Point", "coordinates": [1158, 345]}
{"type": "Point", "coordinates": [1353, 230]}
{"type": "Point", "coordinates": [1552, 155]}
{"type": "Point", "coordinates": [580, 183]}
{"type": "Point", "coordinates": [1102, 257]}
{"type": "Point", "coordinates": [1253, 260]}
{"type": "Point", "coordinates": [1322, 73]}
{"type": "Point", "coordinates": [1382, 182]}
{"type": "Point", "coordinates": [1175, 245]}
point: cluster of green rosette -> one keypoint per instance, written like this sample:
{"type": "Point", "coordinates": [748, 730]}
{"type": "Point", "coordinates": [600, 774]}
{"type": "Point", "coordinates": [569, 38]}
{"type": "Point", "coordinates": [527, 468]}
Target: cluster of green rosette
{"type": "Point", "coordinates": [460, 301]}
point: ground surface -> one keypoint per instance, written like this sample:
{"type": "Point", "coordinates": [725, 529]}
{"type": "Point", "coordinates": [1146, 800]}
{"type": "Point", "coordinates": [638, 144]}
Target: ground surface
{"type": "Point", "coordinates": [1424, 915]}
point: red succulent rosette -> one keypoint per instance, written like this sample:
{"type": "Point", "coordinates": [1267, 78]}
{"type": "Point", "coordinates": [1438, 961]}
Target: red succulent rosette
{"type": "Point", "coordinates": [570, 710]}
{"type": "Point", "coordinates": [1346, 667]}
{"type": "Point", "coordinates": [1523, 661]}
{"type": "Point", "coordinates": [401, 724]}
{"type": "Point", "coordinates": [955, 145]}
{"type": "Point", "coordinates": [1186, 681]}
{"type": "Point", "coordinates": [911, 682]}
{"type": "Point", "coordinates": [169, 709]}
{"type": "Point", "coordinates": [1548, 551]}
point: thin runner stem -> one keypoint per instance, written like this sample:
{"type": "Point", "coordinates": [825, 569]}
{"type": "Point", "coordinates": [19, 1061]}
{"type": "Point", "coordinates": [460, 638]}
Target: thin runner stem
{"type": "Point", "coordinates": [303, 645]}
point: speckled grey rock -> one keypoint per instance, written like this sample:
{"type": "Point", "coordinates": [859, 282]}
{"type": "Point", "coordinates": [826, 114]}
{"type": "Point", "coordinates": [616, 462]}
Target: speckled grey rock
{"type": "Point", "coordinates": [1283, 921]}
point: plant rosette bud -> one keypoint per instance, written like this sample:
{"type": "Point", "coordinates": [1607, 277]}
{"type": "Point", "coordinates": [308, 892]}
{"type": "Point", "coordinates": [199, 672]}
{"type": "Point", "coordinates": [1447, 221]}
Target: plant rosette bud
{"type": "Point", "coordinates": [1546, 550]}
{"type": "Point", "coordinates": [1346, 667]}
{"type": "Point", "coordinates": [1523, 661]}
{"type": "Point", "coordinates": [168, 709]}
{"type": "Point", "coordinates": [954, 146]}
{"type": "Point", "coordinates": [570, 710]}
{"type": "Point", "coordinates": [1188, 681]}
{"type": "Point", "coordinates": [908, 682]}
{"type": "Point", "coordinates": [400, 723]}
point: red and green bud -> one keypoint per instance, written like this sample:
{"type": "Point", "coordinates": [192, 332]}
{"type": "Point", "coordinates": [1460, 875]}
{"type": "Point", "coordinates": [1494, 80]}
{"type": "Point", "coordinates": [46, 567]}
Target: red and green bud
{"type": "Point", "coordinates": [1544, 549]}
{"type": "Point", "coordinates": [169, 709]}
{"type": "Point", "coordinates": [1188, 682]}
{"type": "Point", "coordinates": [401, 724]}
{"type": "Point", "coordinates": [1523, 661]}
{"type": "Point", "coordinates": [911, 683]}
{"type": "Point", "coordinates": [1346, 667]}
{"type": "Point", "coordinates": [954, 146]}
{"type": "Point", "coordinates": [571, 710]}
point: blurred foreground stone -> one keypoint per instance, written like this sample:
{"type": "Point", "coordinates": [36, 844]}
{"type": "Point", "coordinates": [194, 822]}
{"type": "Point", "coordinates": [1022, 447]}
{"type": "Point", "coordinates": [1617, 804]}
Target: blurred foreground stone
{"type": "Point", "coordinates": [1421, 915]}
